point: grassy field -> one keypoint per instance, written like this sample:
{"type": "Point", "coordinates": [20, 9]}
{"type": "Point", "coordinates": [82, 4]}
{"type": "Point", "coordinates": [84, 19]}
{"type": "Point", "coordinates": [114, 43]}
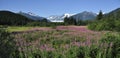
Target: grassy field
{"type": "Point", "coordinates": [59, 42]}
{"type": "Point", "coordinates": [65, 42]}
{"type": "Point", "coordinates": [23, 28]}
{"type": "Point", "coordinates": [18, 28]}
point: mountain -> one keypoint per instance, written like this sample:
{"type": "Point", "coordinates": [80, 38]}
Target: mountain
{"type": "Point", "coordinates": [58, 18]}
{"type": "Point", "coordinates": [115, 14]}
{"type": "Point", "coordinates": [85, 16]}
{"type": "Point", "coordinates": [10, 18]}
{"type": "Point", "coordinates": [80, 16]}
{"type": "Point", "coordinates": [31, 16]}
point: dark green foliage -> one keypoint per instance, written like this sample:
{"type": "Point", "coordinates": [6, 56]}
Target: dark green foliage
{"type": "Point", "coordinates": [94, 52]}
{"type": "Point", "coordinates": [7, 44]}
{"type": "Point", "coordinates": [110, 22]}
{"type": "Point", "coordinates": [45, 24]}
{"type": "Point", "coordinates": [109, 38]}
{"type": "Point", "coordinates": [73, 21]}
{"type": "Point", "coordinates": [84, 22]}
{"type": "Point", "coordinates": [81, 52]}
{"type": "Point", "coordinates": [44, 20]}
{"type": "Point", "coordinates": [80, 22]}
{"type": "Point", "coordinates": [66, 20]}
{"type": "Point", "coordinates": [50, 54]}
{"type": "Point", "coordinates": [115, 14]}
{"type": "Point", "coordinates": [37, 23]}
{"type": "Point", "coordinates": [9, 18]}
{"type": "Point", "coordinates": [100, 15]}
{"type": "Point", "coordinates": [116, 49]}
{"type": "Point", "coordinates": [115, 46]}
{"type": "Point", "coordinates": [70, 21]}
{"type": "Point", "coordinates": [109, 25]}
{"type": "Point", "coordinates": [36, 54]}
{"type": "Point", "coordinates": [117, 25]}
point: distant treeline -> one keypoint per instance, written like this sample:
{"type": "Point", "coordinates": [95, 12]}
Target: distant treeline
{"type": "Point", "coordinates": [9, 18]}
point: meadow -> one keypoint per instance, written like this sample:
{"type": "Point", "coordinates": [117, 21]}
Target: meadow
{"type": "Point", "coordinates": [64, 42]}
{"type": "Point", "coordinates": [81, 35]}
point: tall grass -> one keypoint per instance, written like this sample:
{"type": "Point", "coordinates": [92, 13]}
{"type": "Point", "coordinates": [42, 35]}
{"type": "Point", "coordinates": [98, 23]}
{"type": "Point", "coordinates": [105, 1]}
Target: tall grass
{"type": "Point", "coordinates": [60, 44]}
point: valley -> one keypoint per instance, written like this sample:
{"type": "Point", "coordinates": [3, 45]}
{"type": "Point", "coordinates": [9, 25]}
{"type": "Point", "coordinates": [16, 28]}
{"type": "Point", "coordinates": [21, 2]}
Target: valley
{"type": "Point", "coordinates": [78, 34]}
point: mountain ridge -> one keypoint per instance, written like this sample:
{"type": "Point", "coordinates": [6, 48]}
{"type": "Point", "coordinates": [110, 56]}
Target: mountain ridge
{"type": "Point", "coordinates": [85, 15]}
{"type": "Point", "coordinates": [31, 15]}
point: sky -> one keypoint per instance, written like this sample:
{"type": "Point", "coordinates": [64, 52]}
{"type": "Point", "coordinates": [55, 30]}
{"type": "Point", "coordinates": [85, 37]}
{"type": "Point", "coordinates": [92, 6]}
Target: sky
{"type": "Point", "coordinates": [46, 8]}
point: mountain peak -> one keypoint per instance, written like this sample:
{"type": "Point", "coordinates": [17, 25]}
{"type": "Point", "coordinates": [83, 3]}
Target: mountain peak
{"type": "Point", "coordinates": [85, 15]}
{"type": "Point", "coordinates": [31, 15]}
{"type": "Point", "coordinates": [85, 12]}
{"type": "Point", "coordinates": [59, 18]}
{"type": "Point", "coordinates": [118, 9]}
{"type": "Point", "coordinates": [67, 15]}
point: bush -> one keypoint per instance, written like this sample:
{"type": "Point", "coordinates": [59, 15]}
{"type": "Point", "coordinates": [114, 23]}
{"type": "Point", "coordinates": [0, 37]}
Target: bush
{"type": "Point", "coordinates": [92, 26]}
{"type": "Point", "coordinates": [115, 40]}
{"type": "Point", "coordinates": [105, 24]}
{"type": "Point", "coordinates": [7, 44]}
{"type": "Point", "coordinates": [117, 25]}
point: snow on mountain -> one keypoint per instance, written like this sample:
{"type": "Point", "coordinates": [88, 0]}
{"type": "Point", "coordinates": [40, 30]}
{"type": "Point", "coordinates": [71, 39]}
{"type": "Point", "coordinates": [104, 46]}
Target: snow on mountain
{"type": "Point", "coordinates": [67, 15]}
{"type": "Point", "coordinates": [31, 15]}
{"type": "Point", "coordinates": [58, 18]}
{"type": "Point", "coordinates": [80, 16]}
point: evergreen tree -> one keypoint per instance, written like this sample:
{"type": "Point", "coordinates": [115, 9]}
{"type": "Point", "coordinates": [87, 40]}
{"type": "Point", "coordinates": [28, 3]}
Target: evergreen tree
{"type": "Point", "coordinates": [44, 20]}
{"type": "Point", "coordinates": [100, 15]}
{"type": "Point", "coordinates": [70, 21]}
{"type": "Point", "coordinates": [66, 20]}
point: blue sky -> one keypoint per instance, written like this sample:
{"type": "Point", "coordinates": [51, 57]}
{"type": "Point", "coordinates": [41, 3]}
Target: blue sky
{"type": "Point", "coordinates": [46, 8]}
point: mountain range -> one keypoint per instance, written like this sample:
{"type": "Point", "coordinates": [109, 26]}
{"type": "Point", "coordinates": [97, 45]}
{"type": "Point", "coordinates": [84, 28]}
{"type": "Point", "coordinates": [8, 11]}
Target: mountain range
{"type": "Point", "coordinates": [113, 14]}
{"type": "Point", "coordinates": [80, 16]}
{"type": "Point", "coordinates": [60, 18]}
{"type": "Point", "coordinates": [31, 15]}
{"type": "Point", "coordinates": [85, 15]}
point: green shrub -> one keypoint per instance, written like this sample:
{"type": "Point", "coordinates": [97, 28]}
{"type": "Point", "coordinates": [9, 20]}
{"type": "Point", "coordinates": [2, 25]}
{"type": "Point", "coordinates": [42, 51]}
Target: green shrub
{"type": "Point", "coordinates": [7, 44]}
{"type": "Point", "coordinates": [105, 24]}
{"type": "Point", "coordinates": [109, 37]}
{"type": "Point", "coordinates": [114, 50]}
{"type": "Point", "coordinates": [92, 26]}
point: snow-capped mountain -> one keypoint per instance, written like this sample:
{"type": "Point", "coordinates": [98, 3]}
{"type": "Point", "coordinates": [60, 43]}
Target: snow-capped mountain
{"type": "Point", "coordinates": [85, 16]}
{"type": "Point", "coordinates": [80, 16]}
{"type": "Point", "coordinates": [58, 18]}
{"type": "Point", "coordinates": [31, 15]}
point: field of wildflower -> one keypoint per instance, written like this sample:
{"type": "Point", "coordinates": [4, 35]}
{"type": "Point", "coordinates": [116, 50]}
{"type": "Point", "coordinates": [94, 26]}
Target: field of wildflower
{"type": "Point", "coordinates": [63, 42]}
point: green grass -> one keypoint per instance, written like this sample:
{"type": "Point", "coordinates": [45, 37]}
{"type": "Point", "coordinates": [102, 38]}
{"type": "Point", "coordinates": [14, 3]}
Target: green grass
{"type": "Point", "coordinates": [17, 28]}
{"type": "Point", "coordinates": [62, 44]}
